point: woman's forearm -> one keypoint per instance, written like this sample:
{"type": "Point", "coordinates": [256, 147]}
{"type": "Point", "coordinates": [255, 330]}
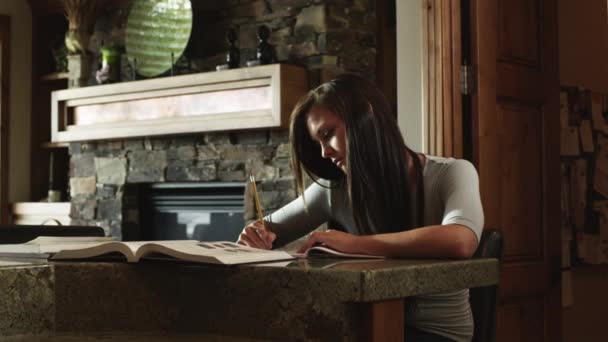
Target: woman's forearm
{"type": "Point", "coordinates": [447, 241]}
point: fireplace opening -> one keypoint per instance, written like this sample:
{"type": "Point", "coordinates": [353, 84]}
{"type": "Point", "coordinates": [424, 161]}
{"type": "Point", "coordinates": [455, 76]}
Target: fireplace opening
{"type": "Point", "coordinates": [199, 211]}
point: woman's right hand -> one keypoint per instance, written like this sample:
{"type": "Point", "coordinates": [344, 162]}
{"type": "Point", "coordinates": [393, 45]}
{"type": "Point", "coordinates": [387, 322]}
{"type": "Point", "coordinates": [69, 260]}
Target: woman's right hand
{"type": "Point", "coordinates": [255, 235]}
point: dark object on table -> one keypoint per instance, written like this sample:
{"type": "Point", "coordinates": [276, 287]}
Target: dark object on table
{"type": "Point", "coordinates": [484, 299]}
{"type": "Point", "coordinates": [233, 56]}
{"type": "Point", "coordinates": [265, 52]}
{"type": "Point", "coordinates": [24, 233]}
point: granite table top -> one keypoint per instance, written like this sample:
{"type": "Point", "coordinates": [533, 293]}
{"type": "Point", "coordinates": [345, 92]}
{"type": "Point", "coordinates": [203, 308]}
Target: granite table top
{"type": "Point", "coordinates": [305, 299]}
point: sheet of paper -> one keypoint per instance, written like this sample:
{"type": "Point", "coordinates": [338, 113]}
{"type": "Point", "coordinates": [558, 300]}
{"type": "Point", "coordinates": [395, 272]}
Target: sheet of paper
{"type": "Point", "coordinates": [566, 256]}
{"type": "Point", "coordinates": [563, 109]}
{"type": "Point", "coordinates": [600, 182]}
{"type": "Point", "coordinates": [586, 136]}
{"type": "Point", "coordinates": [569, 142]}
{"type": "Point", "coordinates": [601, 158]}
{"type": "Point", "coordinates": [567, 291]}
{"type": "Point", "coordinates": [566, 201]}
{"type": "Point", "coordinates": [589, 248]}
{"type": "Point", "coordinates": [601, 208]}
{"type": "Point", "coordinates": [579, 192]}
{"type": "Point", "coordinates": [597, 111]}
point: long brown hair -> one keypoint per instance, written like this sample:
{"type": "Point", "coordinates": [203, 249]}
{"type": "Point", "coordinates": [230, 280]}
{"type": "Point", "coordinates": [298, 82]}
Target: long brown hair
{"type": "Point", "coordinates": [383, 195]}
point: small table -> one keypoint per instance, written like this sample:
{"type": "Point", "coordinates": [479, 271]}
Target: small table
{"type": "Point", "coordinates": [306, 299]}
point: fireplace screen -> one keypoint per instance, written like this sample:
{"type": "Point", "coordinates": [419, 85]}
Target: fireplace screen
{"type": "Point", "coordinates": [200, 211]}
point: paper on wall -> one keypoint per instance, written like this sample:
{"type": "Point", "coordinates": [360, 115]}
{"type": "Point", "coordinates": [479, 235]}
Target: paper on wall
{"type": "Point", "coordinates": [567, 291]}
{"type": "Point", "coordinates": [597, 111]}
{"type": "Point", "coordinates": [586, 136]}
{"type": "Point", "coordinates": [578, 174]}
{"type": "Point", "coordinates": [600, 181]}
{"type": "Point", "coordinates": [563, 109]}
{"type": "Point", "coordinates": [601, 208]}
{"type": "Point", "coordinates": [601, 158]}
{"type": "Point", "coordinates": [566, 254]}
{"type": "Point", "coordinates": [566, 201]}
{"type": "Point", "coordinates": [589, 248]}
{"type": "Point", "coordinates": [569, 142]}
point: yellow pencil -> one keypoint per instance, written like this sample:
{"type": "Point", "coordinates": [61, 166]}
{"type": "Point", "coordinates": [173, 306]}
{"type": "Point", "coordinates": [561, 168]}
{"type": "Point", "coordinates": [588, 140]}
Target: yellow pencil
{"type": "Point", "coordinates": [257, 199]}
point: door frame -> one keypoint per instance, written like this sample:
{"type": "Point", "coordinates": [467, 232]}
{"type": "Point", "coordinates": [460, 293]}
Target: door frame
{"type": "Point", "coordinates": [5, 49]}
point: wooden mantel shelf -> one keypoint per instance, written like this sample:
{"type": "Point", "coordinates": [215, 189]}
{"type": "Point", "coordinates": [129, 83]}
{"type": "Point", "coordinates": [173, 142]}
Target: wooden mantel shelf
{"type": "Point", "coordinates": [246, 98]}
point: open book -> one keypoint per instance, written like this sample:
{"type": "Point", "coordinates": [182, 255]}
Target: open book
{"type": "Point", "coordinates": [45, 246]}
{"type": "Point", "coordinates": [219, 252]}
{"type": "Point", "coordinates": [324, 251]}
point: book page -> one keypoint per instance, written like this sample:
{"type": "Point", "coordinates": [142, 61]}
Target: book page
{"type": "Point", "coordinates": [45, 240]}
{"type": "Point", "coordinates": [84, 250]}
{"type": "Point", "coordinates": [44, 246]}
{"type": "Point", "coordinates": [323, 251]}
{"type": "Point", "coordinates": [218, 252]}
{"type": "Point", "coordinates": [43, 250]}
{"type": "Point", "coordinates": [134, 246]}
{"type": "Point", "coordinates": [87, 250]}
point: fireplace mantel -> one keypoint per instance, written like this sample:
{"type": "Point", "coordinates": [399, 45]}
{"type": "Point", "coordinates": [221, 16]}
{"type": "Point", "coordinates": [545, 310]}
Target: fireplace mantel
{"type": "Point", "coordinates": [246, 98]}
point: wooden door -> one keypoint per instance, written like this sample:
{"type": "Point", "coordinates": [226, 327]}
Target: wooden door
{"type": "Point", "coordinates": [515, 133]}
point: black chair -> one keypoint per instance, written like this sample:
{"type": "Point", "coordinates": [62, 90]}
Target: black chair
{"type": "Point", "coordinates": [22, 233]}
{"type": "Point", "coordinates": [484, 299]}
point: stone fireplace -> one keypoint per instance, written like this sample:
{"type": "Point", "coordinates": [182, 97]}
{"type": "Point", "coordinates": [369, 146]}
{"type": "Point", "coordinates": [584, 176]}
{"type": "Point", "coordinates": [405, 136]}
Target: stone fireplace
{"type": "Point", "coordinates": [325, 37]}
{"type": "Point", "coordinates": [204, 211]}
{"type": "Point", "coordinates": [105, 175]}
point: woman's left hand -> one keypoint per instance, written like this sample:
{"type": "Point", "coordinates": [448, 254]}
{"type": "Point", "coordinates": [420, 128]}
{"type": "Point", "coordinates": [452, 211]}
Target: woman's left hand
{"type": "Point", "coordinates": [334, 239]}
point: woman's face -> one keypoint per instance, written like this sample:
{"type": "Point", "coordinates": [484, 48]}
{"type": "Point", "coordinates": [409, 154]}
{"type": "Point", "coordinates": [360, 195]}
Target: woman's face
{"type": "Point", "coordinates": [328, 130]}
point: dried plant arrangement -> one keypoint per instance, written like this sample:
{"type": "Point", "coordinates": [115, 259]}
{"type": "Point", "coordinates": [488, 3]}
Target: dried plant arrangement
{"type": "Point", "coordinates": [81, 15]}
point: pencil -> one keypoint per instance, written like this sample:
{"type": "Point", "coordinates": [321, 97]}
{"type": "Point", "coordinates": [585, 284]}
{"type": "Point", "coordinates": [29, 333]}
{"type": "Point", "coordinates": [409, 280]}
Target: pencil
{"type": "Point", "coordinates": [257, 199]}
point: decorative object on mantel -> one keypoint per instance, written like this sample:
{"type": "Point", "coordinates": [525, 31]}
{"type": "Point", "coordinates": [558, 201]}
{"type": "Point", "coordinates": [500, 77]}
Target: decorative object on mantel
{"type": "Point", "coordinates": [233, 57]}
{"type": "Point", "coordinates": [81, 16]}
{"type": "Point", "coordinates": [59, 53]}
{"type": "Point", "coordinates": [53, 195]}
{"type": "Point", "coordinates": [157, 34]}
{"type": "Point", "coordinates": [265, 53]}
{"type": "Point", "coordinates": [110, 65]}
{"type": "Point", "coordinates": [259, 97]}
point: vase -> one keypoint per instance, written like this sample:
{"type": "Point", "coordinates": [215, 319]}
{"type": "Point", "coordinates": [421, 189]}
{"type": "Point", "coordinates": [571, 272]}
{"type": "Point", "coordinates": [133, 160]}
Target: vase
{"type": "Point", "coordinates": [79, 69]}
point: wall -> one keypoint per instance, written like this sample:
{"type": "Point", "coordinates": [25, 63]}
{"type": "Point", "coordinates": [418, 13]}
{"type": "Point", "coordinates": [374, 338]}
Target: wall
{"type": "Point", "coordinates": [583, 40]}
{"type": "Point", "coordinates": [583, 44]}
{"type": "Point", "coordinates": [584, 321]}
{"type": "Point", "coordinates": [326, 37]}
{"type": "Point", "coordinates": [409, 73]}
{"type": "Point", "coordinates": [20, 94]}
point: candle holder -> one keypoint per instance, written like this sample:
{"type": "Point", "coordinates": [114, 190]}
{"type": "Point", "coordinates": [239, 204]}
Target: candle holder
{"type": "Point", "coordinates": [265, 53]}
{"type": "Point", "coordinates": [53, 195]}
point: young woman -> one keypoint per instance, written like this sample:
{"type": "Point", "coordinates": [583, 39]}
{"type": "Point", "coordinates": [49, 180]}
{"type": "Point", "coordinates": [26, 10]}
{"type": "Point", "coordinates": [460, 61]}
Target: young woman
{"type": "Point", "coordinates": [387, 199]}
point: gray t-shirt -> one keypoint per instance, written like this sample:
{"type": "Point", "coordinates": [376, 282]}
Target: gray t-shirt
{"type": "Point", "coordinates": [451, 196]}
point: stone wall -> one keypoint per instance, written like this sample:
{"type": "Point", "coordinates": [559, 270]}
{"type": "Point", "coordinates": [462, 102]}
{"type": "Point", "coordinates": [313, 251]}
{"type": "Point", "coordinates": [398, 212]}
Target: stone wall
{"type": "Point", "coordinates": [101, 172]}
{"type": "Point", "coordinates": [327, 37]}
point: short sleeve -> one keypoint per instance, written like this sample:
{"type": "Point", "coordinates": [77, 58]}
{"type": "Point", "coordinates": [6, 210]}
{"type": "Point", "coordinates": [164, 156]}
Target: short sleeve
{"type": "Point", "coordinates": [295, 220]}
{"type": "Point", "coordinates": [460, 193]}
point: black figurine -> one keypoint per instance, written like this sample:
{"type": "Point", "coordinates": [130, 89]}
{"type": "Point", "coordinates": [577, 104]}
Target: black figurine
{"type": "Point", "coordinates": [233, 56]}
{"type": "Point", "coordinates": [265, 53]}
